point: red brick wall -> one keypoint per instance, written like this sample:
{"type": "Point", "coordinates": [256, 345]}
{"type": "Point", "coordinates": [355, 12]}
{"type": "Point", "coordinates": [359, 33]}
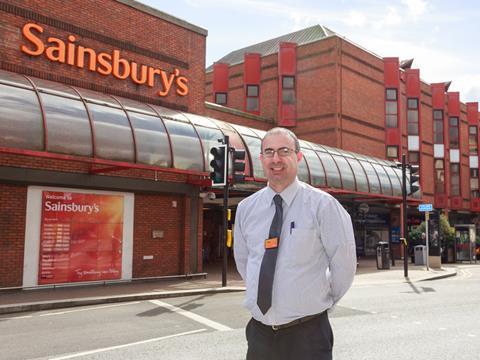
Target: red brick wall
{"type": "Point", "coordinates": [91, 22]}
{"type": "Point", "coordinates": [169, 253]}
{"type": "Point", "coordinates": [362, 101]}
{"type": "Point", "coordinates": [13, 203]}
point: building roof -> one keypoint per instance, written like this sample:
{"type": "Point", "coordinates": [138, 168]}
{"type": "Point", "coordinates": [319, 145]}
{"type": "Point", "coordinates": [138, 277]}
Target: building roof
{"type": "Point", "coordinates": [301, 37]}
{"type": "Point", "coordinates": [164, 16]}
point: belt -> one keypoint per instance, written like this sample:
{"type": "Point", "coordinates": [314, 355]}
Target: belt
{"type": "Point", "coordinates": [293, 323]}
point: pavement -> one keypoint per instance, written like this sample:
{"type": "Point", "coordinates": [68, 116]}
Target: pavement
{"type": "Point", "coordinates": [47, 298]}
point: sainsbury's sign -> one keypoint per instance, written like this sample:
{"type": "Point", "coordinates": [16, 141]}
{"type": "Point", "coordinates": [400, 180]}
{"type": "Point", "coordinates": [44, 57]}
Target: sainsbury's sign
{"type": "Point", "coordinates": [104, 63]}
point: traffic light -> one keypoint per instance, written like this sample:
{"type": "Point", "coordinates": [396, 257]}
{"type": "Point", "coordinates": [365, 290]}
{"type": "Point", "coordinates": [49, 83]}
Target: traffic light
{"type": "Point", "coordinates": [238, 165]}
{"type": "Point", "coordinates": [414, 179]}
{"type": "Point", "coordinates": [219, 162]}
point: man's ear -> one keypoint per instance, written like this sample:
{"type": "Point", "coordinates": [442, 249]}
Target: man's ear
{"type": "Point", "coordinates": [299, 156]}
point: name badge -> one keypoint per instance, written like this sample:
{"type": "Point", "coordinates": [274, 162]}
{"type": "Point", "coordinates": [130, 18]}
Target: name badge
{"type": "Point", "coordinates": [271, 243]}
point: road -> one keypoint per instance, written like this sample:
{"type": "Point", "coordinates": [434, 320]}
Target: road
{"type": "Point", "coordinates": [424, 320]}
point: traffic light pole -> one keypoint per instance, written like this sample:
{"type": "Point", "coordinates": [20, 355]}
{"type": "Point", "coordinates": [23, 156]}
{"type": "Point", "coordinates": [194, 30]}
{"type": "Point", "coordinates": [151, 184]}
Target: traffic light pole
{"type": "Point", "coordinates": [404, 210]}
{"type": "Point", "coordinates": [224, 216]}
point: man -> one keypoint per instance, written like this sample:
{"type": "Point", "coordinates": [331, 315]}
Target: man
{"type": "Point", "coordinates": [294, 248]}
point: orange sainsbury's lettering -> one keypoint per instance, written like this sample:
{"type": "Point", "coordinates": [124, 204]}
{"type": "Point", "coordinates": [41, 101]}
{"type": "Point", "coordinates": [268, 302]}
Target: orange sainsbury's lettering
{"type": "Point", "coordinates": [27, 32]}
{"type": "Point", "coordinates": [105, 63]}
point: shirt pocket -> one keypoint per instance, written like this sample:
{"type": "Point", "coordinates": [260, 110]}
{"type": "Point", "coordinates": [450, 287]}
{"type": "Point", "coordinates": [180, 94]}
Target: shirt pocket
{"type": "Point", "coordinates": [303, 246]}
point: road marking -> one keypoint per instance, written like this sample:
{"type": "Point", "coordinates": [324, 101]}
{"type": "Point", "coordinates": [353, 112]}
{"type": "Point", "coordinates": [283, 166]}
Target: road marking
{"type": "Point", "coordinates": [417, 322]}
{"type": "Point", "coordinates": [17, 317]}
{"type": "Point", "coordinates": [89, 308]}
{"type": "Point", "coordinates": [71, 356]}
{"type": "Point", "coordinates": [210, 323]}
{"type": "Point", "coordinates": [471, 335]}
{"type": "Point", "coordinates": [394, 316]}
{"type": "Point", "coordinates": [442, 329]}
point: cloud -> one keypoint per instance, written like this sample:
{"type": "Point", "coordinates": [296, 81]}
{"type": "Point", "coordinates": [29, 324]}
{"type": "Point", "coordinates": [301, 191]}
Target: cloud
{"type": "Point", "coordinates": [416, 8]}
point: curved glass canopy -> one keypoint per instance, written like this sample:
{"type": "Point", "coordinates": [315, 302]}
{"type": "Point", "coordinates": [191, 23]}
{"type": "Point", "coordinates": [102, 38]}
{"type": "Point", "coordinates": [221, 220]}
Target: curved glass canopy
{"type": "Point", "coordinates": [41, 115]}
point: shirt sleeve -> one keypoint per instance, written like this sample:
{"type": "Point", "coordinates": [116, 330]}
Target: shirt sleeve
{"type": "Point", "coordinates": [240, 250]}
{"type": "Point", "coordinates": [336, 233]}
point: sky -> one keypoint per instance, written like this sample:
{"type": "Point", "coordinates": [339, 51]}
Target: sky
{"type": "Point", "coordinates": [442, 36]}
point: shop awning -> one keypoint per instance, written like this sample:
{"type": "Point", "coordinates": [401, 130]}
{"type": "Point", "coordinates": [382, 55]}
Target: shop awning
{"type": "Point", "coordinates": [49, 117]}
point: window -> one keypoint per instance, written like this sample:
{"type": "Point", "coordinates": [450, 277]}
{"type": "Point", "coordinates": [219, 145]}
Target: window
{"type": "Point", "coordinates": [391, 113]}
{"type": "Point", "coordinates": [439, 176]}
{"type": "Point", "coordinates": [437, 126]}
{"type": "Point", "coordinates": [252, 98]}
{"type": "Point", "coordinates": [474, 183]}
{"type": "Point", "coordinates": [453, 132]}
{"type": "Point", "coordinates": [455, 179]}
{"type": "Point", "coordinates": [473, 140]}
{"type": "Point", "coordinates": [391, 94]}
{"type": "Point", "coordinates": [413, 157]}
{"type": "Point", "coordinates": [392, 151]}
{"type": "Point", "coordinates": [288, 89]}
{"type": "Point", "coordinates": [221, 98]}
{"type": "Point", "coordinates": [412, 116]}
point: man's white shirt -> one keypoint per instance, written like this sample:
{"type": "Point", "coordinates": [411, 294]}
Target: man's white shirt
{"type": "Point", "coordinates": [316, 259]}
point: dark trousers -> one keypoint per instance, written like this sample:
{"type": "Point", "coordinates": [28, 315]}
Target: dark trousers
{"type": "Point", "coordinates": [311, 340]}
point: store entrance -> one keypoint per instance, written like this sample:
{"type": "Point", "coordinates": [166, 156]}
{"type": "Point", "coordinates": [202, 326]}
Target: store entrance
{"type": "Point", "coordinates": [212, 248]}
{"type": "Point", "coordinates": [212, 236]}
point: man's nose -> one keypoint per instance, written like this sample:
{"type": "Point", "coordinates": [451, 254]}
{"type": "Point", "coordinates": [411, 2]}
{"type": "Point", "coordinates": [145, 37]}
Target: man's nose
{"type": "Point", "coordinates": [275, 156]}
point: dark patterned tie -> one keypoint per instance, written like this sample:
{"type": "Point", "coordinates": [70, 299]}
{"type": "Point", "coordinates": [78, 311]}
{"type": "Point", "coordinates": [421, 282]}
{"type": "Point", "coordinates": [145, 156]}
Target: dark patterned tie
{"type": "Point", "coordinates": [267, 270]}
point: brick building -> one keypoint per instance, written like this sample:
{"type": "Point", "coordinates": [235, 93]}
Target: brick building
{"type": "Point", "coordinates": [104, 145]}
{"type": "Point", "coordinates": [105, 137]}
{"type": "Point", "coordinates": [331, 91]}
{"type": "Point", "coordinates": [75, 133]}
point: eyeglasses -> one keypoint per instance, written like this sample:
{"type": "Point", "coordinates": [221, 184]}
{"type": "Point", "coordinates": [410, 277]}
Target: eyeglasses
{"type": "Point", "coordinates": [282, 152]}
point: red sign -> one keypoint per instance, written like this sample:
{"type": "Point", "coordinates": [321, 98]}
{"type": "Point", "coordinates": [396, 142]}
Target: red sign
{"type": "Point", "coordinates": [81, 237]}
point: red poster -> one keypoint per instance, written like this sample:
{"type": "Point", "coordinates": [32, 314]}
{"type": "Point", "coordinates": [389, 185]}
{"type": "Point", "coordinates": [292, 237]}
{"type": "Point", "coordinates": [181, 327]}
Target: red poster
{"type": "Point", "coordinates": [81, 237]}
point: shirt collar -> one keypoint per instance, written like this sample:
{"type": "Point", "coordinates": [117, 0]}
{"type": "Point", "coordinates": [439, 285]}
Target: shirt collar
{"type": "Point", "coordinates": [288, 194]}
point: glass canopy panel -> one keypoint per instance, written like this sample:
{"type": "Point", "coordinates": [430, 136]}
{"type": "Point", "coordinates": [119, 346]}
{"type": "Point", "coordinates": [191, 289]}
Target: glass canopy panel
{"type": "Point", "coordinates": [360, 176]}
{"type": "Point", "coordinates": [259, 133]}
{"type": "Point", "coordinates": [244, 130]}
{"type": "Point", "coordinates": [169, 113]}
{"type": "Point", "coordinates": [332, 150]}
{"type": "Point", "coordinates": [318, 147]}
{"type": "Point", "coordinates": [186, 148]}
{"type": "Point", "coordinates": [317, 174]}
{"type": "Point", "coordinates": [54, 88]}
{"type": "Point", "coordinates": [237, 142]}
{"type": "Point", "coordinates": [21, 124]}
{"type": "Point", "coordinates": [9, 78]}
{"type": "Point", "coordinates": [302, 173]}
{"type": "Point", "coordinates": [396, 185]}
{"type": "Point", "coordinates": [333, 177]}
{"type": "Point", "coordinates": [254, 147]}
{"type": "Point", "coordinates": [68, 127]}
{"type": "Point", "coordinates": [151, 139]}
{"type": "Point", "coordinates": [372, 177]}
{"type": "Point", "coordinates": [201, 120]}
{"type": "Point", "coordinates": [359, 156]}
{"type": "Point", "coordinates": [136, 106]}
{"type": "Point", "coordinates": [223, 125]}
{"type": "Point", "coordinates": [305, 144]}
{"type": "Point", "coordinates": [98, 98]}
{"type": "Point", "coordinates": [348, 179]}
{"type": "Point", "coordinates": [384, 179]}
{"type": "Point", "coordinates": [113, 135]}
{"type": "Point", "coordinates": [209, 140]}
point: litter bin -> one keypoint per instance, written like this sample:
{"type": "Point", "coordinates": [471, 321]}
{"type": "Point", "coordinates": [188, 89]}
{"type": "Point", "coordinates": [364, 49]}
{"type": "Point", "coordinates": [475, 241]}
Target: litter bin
{"type": "Point", "coordinates": [420, 255]}
{"type": "Point", "coordinates": [383, 255]}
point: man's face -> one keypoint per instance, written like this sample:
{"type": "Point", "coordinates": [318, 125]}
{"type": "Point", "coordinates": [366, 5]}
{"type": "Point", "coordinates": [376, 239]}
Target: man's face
{"type": "Point", "coordinates": [280, 170]}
